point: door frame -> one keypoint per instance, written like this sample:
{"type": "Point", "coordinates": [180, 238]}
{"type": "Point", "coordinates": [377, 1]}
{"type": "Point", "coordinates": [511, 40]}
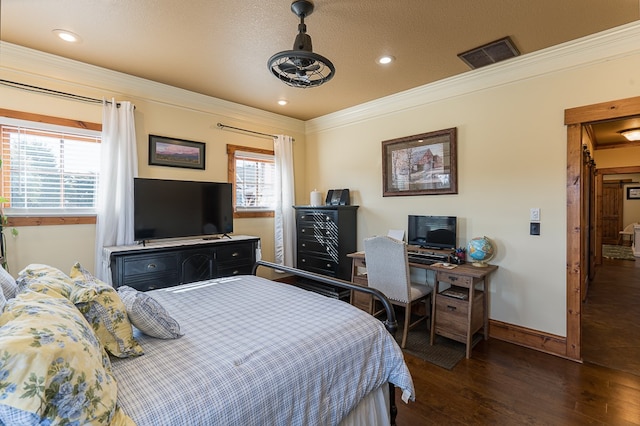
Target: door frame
{"type": "Point", "coordinates": [575, 119]}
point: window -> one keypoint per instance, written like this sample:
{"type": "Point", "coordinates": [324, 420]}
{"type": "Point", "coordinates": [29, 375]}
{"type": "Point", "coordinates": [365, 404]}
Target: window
{"type": "Point", "coordinates": [48, 169]}
{"type": "Point", "coordinates": [253, 173]}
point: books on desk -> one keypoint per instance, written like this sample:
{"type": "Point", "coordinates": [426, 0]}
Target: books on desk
{"type": "Point", "coordinates": [456, 293]}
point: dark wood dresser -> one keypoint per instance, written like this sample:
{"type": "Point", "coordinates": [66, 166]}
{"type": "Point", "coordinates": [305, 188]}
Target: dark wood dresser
{"type": "Point", "coordinates": [325, 235]}
{"type": "Point", "coordinates": [167, 264]}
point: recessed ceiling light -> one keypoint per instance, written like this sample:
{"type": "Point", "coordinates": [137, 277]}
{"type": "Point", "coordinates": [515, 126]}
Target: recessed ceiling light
{"type": "Point", "coordinates": [283, 102]}
{"type": "Point", "coordinates": [383, 60]}
{"type": "Point", "coordinates": [67, 36]}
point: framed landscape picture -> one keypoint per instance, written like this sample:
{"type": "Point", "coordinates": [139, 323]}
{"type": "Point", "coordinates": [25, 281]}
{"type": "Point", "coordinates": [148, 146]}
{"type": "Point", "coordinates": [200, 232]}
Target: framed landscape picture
{"type": "Point", "coordinates": [171, 152]}
{"type": "Point", "coordinates": [423, 164]}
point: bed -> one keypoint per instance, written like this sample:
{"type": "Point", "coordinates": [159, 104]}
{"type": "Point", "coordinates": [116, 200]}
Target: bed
{"type": "Point", "coordinates": [252, 351]}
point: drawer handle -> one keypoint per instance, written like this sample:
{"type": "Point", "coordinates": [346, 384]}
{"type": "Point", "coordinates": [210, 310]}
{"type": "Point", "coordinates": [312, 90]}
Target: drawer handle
{"type": "Point", "coordinates": [303, 231]}
{"type": "Point", "coordinates": [235, 254]}
{"type": "Point", "coordinates": [304, 244]}
{"type": "Point", "coordinates": [328, 265]}
{"type": "Point", "coordinates": [151, 266]}
{"type": "Point", "coordinates": [451, 308]}
{"type": "Point", "coordinates": [304, 260]}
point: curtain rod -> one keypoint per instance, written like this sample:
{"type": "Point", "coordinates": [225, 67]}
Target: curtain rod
{"type": "Point", "coordinates": [224, 126]}
{"type": "Point", "coordinates": [59, 94]}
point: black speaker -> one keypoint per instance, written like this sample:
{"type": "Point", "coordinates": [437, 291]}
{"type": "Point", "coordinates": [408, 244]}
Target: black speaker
{"type": "Point", "coordinates": [337, 197]}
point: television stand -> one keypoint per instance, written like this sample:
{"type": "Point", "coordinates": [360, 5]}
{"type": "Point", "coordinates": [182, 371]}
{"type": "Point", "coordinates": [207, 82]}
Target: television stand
{"type": "Point", "coordinates": [170, 263]}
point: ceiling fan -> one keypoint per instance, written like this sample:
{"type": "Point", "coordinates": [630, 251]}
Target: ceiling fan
{"type": "Point", "coordinates": [301, 67]}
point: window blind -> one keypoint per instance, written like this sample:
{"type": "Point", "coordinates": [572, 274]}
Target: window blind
{"type": "Point", "coordinates": [48, 171]}
{"type": "Point", "coordinates": [255, 181]}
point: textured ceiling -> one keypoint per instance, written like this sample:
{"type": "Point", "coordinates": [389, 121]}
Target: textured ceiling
{"type": "Point", "coordinates": [220, 47]}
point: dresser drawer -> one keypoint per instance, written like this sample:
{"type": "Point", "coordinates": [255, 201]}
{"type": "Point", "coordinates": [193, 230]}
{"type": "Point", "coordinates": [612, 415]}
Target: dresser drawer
{"type": "Point", "coordinates": [152, 281]}
{"type": "Point", "coordinates": [452, 316]}
{"type": "Point", "coordinates": [328, 247]}
{"type": "Point", "coordinates": [308, 217]}
{"type": "Point", "coordinates": [243, 253]}
{"type": "Point", "coordinates": [320, 265]}
{"type": "Point", "coordinates": [150, 264]}
{"type": "Point", "coordinates": [453, 279]}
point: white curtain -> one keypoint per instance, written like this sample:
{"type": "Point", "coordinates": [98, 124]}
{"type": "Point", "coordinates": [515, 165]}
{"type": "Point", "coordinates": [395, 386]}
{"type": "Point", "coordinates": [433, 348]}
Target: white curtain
{"type": "Point", "coordinates": [119, 165]}
{"type": "Point", "coordinates": [284, 215]}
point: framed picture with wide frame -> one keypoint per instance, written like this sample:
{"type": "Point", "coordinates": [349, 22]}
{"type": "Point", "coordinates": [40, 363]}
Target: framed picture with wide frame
{"type": "Point", "coordinates": [633, 192]}
{"type": "Point", "coordinates": [171, 152]}
{"type": "Point", "coordinates": [424, 164]}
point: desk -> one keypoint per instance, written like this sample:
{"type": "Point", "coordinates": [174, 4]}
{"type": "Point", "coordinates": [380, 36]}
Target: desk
{"type": "Point", "coordinates": [455, 318]}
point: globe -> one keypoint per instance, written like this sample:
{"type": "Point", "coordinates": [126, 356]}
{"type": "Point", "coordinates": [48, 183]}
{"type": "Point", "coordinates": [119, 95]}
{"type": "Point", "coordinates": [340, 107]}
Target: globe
{"type": "Point", "coordinates": [480, 250]}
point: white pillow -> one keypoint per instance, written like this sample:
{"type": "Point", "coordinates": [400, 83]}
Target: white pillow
{"type": "Point", "coordinates": [7, 284]}
{"type": "Point", "coordinates": [148, 315]}
{"type": "Point", "coordinates": [3, 300]}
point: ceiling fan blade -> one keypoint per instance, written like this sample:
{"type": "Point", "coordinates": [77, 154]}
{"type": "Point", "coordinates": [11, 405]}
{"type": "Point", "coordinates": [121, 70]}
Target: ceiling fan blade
{"type": "Point", "coordinates": [288, 68]}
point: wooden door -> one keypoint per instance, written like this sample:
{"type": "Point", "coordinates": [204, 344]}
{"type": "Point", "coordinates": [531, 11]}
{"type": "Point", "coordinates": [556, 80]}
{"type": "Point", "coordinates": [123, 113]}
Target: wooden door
{"type": "Point", "coordinates": [611, 212]}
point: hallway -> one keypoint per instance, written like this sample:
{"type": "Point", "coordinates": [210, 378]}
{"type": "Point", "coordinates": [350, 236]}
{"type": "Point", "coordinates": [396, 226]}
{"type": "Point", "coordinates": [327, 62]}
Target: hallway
{"type": "Point", "coordinates": [611, 317]}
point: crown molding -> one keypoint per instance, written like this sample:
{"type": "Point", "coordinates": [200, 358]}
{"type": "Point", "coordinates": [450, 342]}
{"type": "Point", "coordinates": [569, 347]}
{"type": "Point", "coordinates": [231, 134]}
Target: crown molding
{"type": "Point", "coordinates": [108, 83]}
{"type": "Point", "coordinates": [600, 47]}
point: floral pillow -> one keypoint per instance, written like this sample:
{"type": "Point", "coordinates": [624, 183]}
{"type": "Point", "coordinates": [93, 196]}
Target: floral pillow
{"type": "Point", "coordinates": [148, 315]}
{"type": "Point", "coordinates": [53, 370]}
{"type": "Point", "coordinates": [45, 279]}
{"type": "Point", "coordinates": [105, 311]}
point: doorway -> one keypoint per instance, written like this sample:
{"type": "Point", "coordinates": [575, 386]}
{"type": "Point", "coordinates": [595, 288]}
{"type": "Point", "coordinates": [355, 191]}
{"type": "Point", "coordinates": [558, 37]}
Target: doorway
{"type": "Point", "coordinates": [578, 219]}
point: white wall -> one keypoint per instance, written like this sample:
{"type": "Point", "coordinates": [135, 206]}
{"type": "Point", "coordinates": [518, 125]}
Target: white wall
{"type": "Point", "coordinates": [511, 157]}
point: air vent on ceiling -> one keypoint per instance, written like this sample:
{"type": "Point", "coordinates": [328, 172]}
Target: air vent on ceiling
{"type": "Point", "coordinates": [490, 53]}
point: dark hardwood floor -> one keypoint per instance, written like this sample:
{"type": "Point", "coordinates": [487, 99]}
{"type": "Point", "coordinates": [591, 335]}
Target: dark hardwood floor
{"type": "Point", "coordinates": [505, 384]}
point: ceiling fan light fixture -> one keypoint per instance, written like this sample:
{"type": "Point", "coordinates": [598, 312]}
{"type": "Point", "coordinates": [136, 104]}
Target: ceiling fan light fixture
{"type": "Point", "coordinates": [301, 67]}
{"type": "Point", "coordinates": [632, 135]}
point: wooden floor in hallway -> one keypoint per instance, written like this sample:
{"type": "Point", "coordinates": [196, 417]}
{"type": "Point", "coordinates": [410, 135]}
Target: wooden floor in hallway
{"type": "Point", "coordinates": [611, 317]}
{"type": "Point", "coordinates": [505, 384]}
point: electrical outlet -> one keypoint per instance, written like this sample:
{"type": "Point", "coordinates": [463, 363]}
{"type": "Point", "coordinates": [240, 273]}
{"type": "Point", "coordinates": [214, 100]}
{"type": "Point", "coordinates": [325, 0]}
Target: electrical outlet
{"type": "Point", "coordinates": [534, 214]}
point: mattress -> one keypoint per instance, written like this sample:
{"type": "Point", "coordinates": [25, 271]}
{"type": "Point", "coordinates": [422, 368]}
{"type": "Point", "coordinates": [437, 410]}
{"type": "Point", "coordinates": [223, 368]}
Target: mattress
{"type": "Point", "coordinates": [258, 352]}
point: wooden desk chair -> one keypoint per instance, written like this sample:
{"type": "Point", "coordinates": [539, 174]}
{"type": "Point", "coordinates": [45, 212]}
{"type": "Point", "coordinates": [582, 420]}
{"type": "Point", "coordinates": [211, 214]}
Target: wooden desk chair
{"type": "Point", "coordinates": [388, 271]}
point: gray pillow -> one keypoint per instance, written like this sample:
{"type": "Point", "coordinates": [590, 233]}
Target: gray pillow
{"type": "Point", "coordinates": [3, 301]}
{"type": "Point", "coordinates": [148, 315]}
{"type": "Point", "coordinates": [7, 284]}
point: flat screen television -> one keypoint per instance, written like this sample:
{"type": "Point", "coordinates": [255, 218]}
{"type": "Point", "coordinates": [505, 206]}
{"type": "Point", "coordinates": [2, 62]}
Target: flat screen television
{"type": "Point", "coordinates": [176, 208]}
{"type": "Point", "coordinates": [435, 232]}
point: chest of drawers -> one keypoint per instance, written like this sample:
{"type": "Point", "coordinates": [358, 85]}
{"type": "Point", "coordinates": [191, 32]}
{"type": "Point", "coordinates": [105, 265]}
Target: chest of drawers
{"type": "Point", "coordinates": [325, 235]}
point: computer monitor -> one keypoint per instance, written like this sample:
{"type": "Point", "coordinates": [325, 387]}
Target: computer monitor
{"type": "Point", "coordinates": [435, 232]}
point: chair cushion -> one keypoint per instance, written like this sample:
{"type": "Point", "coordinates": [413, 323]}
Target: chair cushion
{"type": "Point", "coordinates": [419, 290]}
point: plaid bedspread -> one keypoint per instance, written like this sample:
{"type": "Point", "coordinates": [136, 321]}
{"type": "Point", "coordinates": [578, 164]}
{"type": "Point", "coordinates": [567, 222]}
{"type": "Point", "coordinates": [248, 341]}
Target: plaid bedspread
{"type": "Point", "coordinates": [257, 352]}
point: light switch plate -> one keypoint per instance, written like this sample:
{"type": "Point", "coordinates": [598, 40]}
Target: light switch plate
{"type": "Point", "coordinates": [534, 214]}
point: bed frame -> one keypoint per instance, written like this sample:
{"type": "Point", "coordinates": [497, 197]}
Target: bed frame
{"type": "Point", "coordinates": [389, 321]}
